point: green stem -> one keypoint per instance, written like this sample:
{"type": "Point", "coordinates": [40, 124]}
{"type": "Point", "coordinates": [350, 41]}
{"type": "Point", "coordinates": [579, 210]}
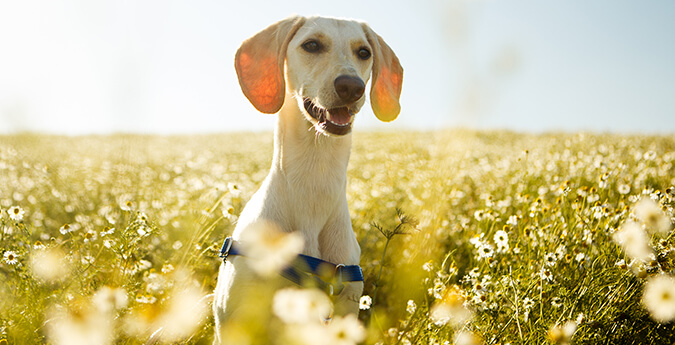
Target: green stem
{"type": "Point", "coordinates": [379, 275]}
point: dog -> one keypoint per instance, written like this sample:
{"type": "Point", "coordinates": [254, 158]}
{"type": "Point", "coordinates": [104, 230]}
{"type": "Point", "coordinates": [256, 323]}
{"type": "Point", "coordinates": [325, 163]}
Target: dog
{"type": "Point", "coordinates": [312, 71]}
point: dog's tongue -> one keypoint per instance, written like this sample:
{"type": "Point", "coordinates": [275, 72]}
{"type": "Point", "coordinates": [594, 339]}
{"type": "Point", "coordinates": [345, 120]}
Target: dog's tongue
{"type": "Point", "coordinates": [340, 116]}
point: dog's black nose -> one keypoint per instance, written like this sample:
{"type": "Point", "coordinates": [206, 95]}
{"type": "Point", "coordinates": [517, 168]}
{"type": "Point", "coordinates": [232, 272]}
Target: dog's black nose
{"type": "Point", "coordinates": [349, 88]}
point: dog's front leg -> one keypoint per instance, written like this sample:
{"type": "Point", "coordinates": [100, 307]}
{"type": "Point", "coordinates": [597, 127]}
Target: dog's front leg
{"type": "Point", "coordinates": [347, 302]}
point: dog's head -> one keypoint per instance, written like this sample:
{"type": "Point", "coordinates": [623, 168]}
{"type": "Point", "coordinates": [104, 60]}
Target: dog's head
{"type": "Point", "coordinates": [325, 63]}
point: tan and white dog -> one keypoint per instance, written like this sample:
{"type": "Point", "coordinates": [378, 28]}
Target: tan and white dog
{"type": "Point", "coordinates": [313, 72]}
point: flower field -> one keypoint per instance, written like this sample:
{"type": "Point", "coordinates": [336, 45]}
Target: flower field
{"type": "Point", "coordinates": [467, 238]}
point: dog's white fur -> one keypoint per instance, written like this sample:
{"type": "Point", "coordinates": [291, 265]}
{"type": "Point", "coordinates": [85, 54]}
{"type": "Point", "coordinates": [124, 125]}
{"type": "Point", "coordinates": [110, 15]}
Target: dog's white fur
{"type": "Point", "coordinates": [305, 191]}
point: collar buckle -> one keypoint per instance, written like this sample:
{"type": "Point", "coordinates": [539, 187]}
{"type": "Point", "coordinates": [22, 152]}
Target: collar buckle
{"type": "Point", "coordinates": [336, 286]}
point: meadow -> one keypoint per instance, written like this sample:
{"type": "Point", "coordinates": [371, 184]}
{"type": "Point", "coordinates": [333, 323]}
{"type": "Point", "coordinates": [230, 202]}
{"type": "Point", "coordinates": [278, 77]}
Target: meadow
{"type": "Point", "coordinates": [468, 237]}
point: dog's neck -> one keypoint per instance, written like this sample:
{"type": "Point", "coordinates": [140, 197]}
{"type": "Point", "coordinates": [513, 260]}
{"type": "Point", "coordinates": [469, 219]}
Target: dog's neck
{"type": "Point", "coordinates": [302, 153]}
{"type": "Point", "coordinates": [307, 184]}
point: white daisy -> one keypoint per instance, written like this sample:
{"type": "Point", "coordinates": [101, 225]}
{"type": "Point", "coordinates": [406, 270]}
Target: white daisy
{"type": "Point", "coordinates": [428, 266]}
{"type": "Point", "coordinates": [502, 241]}
{"type": "Point", "coordinates": [623, 188]}
{"type": "Point", "coordinates": [66, 228]}
{"type": "Point", "coordinates": [16, 213]}
{"type": "Point", "coordinates": [365, 302]}
{"type": "Point", "coordinates": [546, 275]}
{"type": "Point", "coordinates": [10, 257]}
{"type": "Point", "coordinates": [621, 264]}
{"type": "Point", "coordinates": [550, 259]}
{"type": "Point", "coordinates": [556, 302]}
{"type": "Point", "coordinates": [485, 251]}
{"type": "Point", "coordinates": [411, 306]}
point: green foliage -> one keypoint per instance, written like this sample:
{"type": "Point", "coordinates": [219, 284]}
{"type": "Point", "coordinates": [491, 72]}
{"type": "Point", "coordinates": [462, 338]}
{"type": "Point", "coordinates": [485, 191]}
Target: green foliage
{"type": "Point", "coordinates": [518, 229]}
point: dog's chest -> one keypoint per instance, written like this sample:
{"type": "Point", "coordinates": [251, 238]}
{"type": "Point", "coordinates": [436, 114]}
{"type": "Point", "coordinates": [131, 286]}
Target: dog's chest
{"type": "Point", "coordinates": [313, 198]}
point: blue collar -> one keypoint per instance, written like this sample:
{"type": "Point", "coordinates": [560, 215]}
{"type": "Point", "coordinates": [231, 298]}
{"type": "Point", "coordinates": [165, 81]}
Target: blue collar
{"type": "Point", "coordinates": [307, 270]}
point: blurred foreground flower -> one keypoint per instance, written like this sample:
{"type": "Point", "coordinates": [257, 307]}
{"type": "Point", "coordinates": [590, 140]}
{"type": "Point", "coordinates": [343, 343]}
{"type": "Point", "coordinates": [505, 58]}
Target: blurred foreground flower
{"type": "Point", "coordinates": [340, 331]}
{"type": "Point", "coordinates": [49, 265]}
{"type": "Point", "coordinates": [450, 308]}
{"type": "Point", "coordinates": [652, 216]}
{"type": "Point", "coordinates": [79, 325]}
{"type": "Point", "coordinates": [269, 248]}
{"type": "Point", "coordinates": [659, 298]}
{"type": "Point", "coordinates": [345, 331]}
{"type": "Point", "coordinates": [562, 334]}
{"type": "Point", "coordinates": [301, 306]}
{"type": "Point", "coordinates": [87, 321]}
{"type": "Point", "coordinates": [108, 299]}
{"type": "Point", "coordinates": [633, 240]}
{"type": "Point", "coordinates": [184, 309]}
{"type": "Point", "coordinates": [466, 338]}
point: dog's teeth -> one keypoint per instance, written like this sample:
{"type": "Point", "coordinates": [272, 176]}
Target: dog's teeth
{"type": "Point", "coordinates": [339, 124]}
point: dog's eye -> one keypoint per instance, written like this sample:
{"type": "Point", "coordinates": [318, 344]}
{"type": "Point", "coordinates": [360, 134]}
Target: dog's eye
{"type": "Point", "coordinates": [364, 54]}
{"type": "Point", "coordinates": [311, 46]}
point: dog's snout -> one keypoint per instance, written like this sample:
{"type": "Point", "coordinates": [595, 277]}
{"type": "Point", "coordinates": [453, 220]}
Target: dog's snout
{"type": "Point", "coordinates": [349, 88]}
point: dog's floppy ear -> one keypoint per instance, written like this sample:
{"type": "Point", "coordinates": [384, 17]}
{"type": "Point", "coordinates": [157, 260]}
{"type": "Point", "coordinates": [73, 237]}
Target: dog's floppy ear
{"type": "Point", "coordinates": [260, 64]}
{"type": "Point", "coordinates": [385, 87]}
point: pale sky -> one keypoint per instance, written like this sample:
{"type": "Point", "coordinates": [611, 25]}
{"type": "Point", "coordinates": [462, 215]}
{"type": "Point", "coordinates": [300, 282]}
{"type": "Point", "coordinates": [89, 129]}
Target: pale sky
{"type": "Point", "coordinates": [166, 67]}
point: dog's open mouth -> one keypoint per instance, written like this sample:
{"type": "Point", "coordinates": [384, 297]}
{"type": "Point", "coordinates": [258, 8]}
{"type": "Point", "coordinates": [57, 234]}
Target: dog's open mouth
{"type": "Point", "coordinates": [337, 121]}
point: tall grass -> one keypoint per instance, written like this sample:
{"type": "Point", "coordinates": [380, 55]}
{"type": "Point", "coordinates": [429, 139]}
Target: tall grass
{"type": "Point", "coordinates": [114, 239]}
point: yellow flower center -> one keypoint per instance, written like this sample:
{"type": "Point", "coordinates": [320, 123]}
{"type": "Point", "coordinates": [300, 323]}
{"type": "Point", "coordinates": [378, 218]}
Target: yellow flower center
{"type": "Point", "coordinates": [665, 296]}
